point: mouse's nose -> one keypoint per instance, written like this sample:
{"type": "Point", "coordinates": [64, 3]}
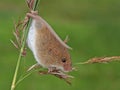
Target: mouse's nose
{"type": "Point", "coordinates": [67, 68]}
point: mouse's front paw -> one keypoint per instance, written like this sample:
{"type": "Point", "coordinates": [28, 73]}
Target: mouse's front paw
{"type": "Point", "coordinates": [34, 12]}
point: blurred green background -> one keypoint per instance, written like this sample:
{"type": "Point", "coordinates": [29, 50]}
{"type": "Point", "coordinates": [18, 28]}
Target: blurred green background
{"type": "Point", "coordinates": [93, 27]}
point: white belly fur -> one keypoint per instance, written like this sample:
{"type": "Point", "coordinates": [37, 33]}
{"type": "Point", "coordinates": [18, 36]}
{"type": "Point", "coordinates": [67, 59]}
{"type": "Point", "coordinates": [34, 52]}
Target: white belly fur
{"type": "Point", "coordinates": [31, 41]}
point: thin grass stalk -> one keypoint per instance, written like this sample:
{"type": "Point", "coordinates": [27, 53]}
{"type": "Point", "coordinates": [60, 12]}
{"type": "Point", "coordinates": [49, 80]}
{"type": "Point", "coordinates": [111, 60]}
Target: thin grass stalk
{"type": "Point", "coordinates": [24, 36]}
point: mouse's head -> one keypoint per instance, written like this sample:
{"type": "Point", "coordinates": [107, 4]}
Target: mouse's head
{"type": "Point", "coordinates": [64, 61]}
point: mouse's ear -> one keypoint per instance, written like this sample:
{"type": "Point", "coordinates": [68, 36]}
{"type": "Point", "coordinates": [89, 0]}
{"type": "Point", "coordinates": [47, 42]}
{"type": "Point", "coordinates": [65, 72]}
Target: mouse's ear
{"type": "Point", "coordinates": [66, 40]}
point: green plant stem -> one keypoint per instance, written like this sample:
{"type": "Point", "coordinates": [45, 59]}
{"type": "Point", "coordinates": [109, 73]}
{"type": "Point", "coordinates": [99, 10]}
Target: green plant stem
{"type": "Point", "coordinates": [28, 74]}
{"type": "Point", "coordinates": [16, 71]}
{"type": "Point", "coordinates": [22, 48]}
{"type": "Point", "coordinates": [25, 76]}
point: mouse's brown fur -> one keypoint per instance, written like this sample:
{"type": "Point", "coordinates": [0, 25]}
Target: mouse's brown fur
{"type": "Point", "coordinates": [49, 49]}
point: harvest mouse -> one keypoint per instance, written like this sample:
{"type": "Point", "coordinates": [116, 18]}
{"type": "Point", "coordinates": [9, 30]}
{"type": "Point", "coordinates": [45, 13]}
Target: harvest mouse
{"type": "Point", "coordinates": [47, 47]}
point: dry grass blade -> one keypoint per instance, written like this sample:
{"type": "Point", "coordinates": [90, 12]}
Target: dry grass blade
{"type": "Point", "coordinates": [17, 34]}
{"type": "Point", "coordinates": [59, 75]}
{"type": "Point", "coordinates": [17, 39]}
{"type": "Point", "coordinates": [102, 60]}
{"type": "Point", "coordinates": [16, 46]}
{"type": "Point", "coordinates": [43, 71]}
{"type": "Point", "coordinates": [30, 4]}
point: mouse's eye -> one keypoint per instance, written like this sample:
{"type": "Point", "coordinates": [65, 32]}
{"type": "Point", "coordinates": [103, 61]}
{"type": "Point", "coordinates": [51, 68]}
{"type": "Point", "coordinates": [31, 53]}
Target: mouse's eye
{"type": "Point", "coordinates": [63, 59]}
